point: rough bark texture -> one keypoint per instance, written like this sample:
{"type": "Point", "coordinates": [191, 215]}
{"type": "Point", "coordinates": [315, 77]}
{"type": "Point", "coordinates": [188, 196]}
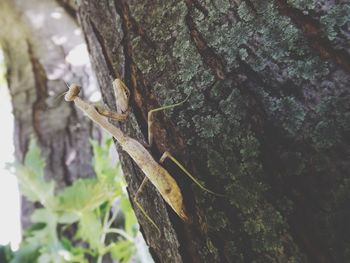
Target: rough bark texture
{"type": "Point", "coordinates": [37, 38]}
{"type": "Point", "coordinates": [267, 122]}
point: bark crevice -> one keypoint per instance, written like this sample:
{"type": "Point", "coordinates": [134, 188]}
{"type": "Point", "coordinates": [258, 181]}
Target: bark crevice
{"type": "Point", "coordinates": [208, 55]}
{"type": "Point", "coordinates": [315, 35]}
{"type": "Point", "coordinates": [103, 49]}
{"type": "Point", "coordinates": [40, 85]}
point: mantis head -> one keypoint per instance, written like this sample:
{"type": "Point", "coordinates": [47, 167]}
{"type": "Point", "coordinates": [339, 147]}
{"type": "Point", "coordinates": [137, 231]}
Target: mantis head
{"type": "Point", "coordinates": [72, 92]}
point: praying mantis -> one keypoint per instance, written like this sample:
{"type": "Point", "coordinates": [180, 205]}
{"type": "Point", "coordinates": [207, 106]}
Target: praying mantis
{"type": "Point", "coordinates": [154, 172]}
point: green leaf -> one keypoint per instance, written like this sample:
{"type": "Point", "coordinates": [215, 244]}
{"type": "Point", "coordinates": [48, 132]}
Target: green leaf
{"type": "Point", "coordinates": [104, 167]}
{"type": "Point", "coordinates": [123, 250]}
{"type": "Point", "coordinates": [84, 195]}
{"type": "Point", "coordinates": [90, 229]}
{"type": "Point", "coordinates": [31, 178]}
{"type": "Point", "coordinates": [33, 159]}
{"type": "Point", "coordinates": [46, 236]}
{"type": "Point", "coordinates": [68, 218]}
{"type": "Point", "coordinates": [42, 215]}
{"type": "Point", "coordinates": [66, 243]}
{"type": "Point", "coordinates": [131, 225]}
{"type": "Point", "coordinates": [28, 253]}
{"type": "Point", "coordinates": [35, 188]}
{"type": "Point", "coordinates": [42, 238]}
{"type": "Point", "coordinates": [54, 257]}
{"type": "Point", "coordinates": [76, 252]}
{"type": "Point", "coordinates": [32, 228]}
{"type": "Point", "coordinates": [6, 253]}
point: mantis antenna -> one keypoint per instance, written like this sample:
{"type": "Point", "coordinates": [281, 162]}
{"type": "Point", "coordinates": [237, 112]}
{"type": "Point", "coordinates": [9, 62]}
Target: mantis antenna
{"type": "Point", "coordinates": [56, 99]}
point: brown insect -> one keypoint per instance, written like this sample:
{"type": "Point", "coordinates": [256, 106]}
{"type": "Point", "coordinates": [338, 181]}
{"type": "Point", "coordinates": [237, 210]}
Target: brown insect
{"type": "Point", "coordinates": [154, 172]}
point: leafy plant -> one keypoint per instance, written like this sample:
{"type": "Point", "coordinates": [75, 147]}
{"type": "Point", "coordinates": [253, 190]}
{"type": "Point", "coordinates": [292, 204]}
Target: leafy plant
{"type": "Point", "coordinates": [90, 205]}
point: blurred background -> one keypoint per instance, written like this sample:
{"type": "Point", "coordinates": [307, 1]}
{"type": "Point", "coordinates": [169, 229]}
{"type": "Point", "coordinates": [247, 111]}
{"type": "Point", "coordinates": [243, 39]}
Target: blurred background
{"type": "Point", "coordinates": [10, 227]}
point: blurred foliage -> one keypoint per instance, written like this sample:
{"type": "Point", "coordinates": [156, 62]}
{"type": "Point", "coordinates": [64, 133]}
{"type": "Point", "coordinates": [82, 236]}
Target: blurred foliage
{"type": "Point", "coordinates": [5, 253]}
{"type": "Point", "coordinates": [89, 207]}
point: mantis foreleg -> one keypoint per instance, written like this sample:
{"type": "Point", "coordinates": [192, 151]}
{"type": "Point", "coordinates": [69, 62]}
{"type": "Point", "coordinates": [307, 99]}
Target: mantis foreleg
{"type": "Point", "coordinates": [111, 114]}
{"type": "Point", "coordinates": [122, 95]}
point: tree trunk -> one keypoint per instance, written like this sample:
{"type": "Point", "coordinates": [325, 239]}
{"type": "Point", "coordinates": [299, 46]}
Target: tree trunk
{"type": "Point", "coordinates": [266, 124]}
{"type": "Point", "coordinates": [40, 41]}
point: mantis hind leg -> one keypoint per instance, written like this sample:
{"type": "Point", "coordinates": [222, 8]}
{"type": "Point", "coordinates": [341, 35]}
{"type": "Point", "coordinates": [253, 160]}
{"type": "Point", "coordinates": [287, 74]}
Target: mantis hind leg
{"type": "Point", "coordinates": [171, 157]}
{"type": "Point", "coordinates": [137, 195]}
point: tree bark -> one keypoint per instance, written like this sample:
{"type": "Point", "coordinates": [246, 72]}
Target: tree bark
{"type": "Point", "coordinates": [39, 41]}
{"type": "Point", "coordinates": [267, 121]}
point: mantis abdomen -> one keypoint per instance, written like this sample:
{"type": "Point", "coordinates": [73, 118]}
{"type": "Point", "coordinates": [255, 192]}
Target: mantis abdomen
{"type": "Point", "coordinates": [159, 177]}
